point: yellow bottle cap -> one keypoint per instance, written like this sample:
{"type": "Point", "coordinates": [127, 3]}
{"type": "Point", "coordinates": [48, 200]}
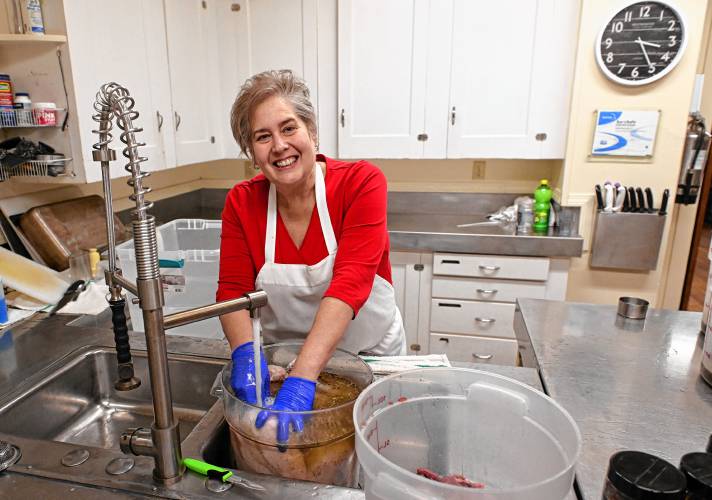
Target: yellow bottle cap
{"type": "Point", "coordinates": [544, 182]}
{"type": "Point", "coordinates": [94, 259]}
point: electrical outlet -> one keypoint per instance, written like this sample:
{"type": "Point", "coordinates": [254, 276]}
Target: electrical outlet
{"type": "Point", "coordinates": [478, 169]}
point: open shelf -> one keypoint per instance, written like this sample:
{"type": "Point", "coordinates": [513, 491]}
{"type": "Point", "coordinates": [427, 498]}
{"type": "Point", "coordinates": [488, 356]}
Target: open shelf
{"type": "Point", "coordinates": [31, 118]}
{"type": "Point", "coordinates": [34, 168]}
{"type": "Point", "coordinates": [38, 39]}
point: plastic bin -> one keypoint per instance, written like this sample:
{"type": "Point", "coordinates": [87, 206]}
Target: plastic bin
{"type": "Point", "coordinates": [195, 242]}
{"type": "Point", "coordinates": [491, 429]}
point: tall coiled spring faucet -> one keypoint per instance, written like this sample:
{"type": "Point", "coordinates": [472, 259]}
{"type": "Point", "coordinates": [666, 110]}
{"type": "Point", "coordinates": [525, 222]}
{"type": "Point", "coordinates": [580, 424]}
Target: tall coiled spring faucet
{"type": "Point", "coordinates": [162, 440]}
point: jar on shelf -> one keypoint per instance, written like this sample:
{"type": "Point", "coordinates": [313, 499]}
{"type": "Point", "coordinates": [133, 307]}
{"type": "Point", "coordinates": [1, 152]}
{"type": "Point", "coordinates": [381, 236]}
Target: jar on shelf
{"type": "Point", "coordinates": [23, 109]}
{"type": "Point", "coordinates": [45, 113]}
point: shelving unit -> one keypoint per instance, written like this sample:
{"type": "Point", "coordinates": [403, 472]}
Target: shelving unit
{"type": "Point", "coordinates": [20, 118]}
{"type": "Point", "coordinates": [25, 39]}
{"type": "Point", "coordinates": [35, 168]}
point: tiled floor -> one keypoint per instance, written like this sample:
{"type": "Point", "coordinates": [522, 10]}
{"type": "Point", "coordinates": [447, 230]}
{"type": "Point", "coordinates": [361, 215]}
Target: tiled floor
{"type": "Point", "coordinates": [702, 266]}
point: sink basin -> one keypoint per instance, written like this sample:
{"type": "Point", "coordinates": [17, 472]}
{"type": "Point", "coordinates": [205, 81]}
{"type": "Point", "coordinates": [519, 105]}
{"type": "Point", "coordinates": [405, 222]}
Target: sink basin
{"type": "Point", "coordinates": [77, 402]}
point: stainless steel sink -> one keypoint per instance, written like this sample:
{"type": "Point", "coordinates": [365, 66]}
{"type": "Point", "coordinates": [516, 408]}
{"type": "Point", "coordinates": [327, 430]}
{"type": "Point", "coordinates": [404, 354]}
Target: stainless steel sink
{"type": "Point", "coordinates": [77, 403]}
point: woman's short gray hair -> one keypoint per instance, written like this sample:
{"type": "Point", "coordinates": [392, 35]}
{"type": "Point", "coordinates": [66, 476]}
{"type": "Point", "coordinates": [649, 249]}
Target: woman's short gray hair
{"type": "Point", "coordinates": [257, 89]}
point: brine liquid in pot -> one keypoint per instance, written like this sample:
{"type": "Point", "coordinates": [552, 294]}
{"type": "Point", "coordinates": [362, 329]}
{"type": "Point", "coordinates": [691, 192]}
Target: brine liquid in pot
{"type": "Point", "coordinates": [331, 390]}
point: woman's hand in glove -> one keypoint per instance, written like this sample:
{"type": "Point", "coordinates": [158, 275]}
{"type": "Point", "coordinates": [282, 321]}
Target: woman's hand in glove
{"type": "Point", "coordinates": [296, 394]}
{"type": "Point", "coordinates": [243, 378]}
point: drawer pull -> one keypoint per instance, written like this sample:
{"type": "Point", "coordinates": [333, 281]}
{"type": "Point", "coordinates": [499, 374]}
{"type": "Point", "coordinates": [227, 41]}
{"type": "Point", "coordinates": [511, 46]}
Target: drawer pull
{"type": "Point", "coordinates": [483, 357]}
{"type": "Point", "coordinates": [486, 292]}
{"type": "Point", "coordinates": [485, 320]}
{"type": "Point", "coordinates": [489, 268]}
{"type": "Point", "coordinates": [443, 339]}
{"type": "Point", "coordinates": [445, 304]}
{"type": "Point", "coordinates": [449, 261]}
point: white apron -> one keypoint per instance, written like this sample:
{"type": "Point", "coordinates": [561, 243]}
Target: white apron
{"type": "Point", "coordinates": [294, 292]}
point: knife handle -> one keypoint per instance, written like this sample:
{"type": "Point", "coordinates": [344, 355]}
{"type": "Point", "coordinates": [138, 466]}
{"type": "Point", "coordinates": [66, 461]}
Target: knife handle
{"type": "Point", "coordinates": [664, 202]}
{"type": "Point", "coordinates": [631, 197]}
{"type": "Point", "coordinates": [641, 199]}
{"type": "Point", "coordinates": [649, 199]}
{"type": "Point", "coordinates": [206, 469]}
{"type": "Point", "coordinates": [599, 196]}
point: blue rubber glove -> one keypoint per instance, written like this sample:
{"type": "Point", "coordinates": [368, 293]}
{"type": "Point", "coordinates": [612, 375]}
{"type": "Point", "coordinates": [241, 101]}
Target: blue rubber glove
{"type": "Point", "coordinates": [296, 394]}
{"type": "Point", "coordinates": [243, 379]}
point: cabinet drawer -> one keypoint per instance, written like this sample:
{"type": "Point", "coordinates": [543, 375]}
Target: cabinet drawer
{"type": "Point", "coordinates": [472, 318]}
{"type": "Point", "coordinates": [474, 349]}
{"type": "Point", "coordinates": [487, 289]}
{"type": "Point", "coordinates": [487, 266]}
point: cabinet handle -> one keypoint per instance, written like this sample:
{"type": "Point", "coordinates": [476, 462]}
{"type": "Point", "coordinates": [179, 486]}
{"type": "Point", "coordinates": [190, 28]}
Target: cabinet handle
{"type": "Point", "coordinates": [489, 268]}
{"type": "Point", "coordinates": [485, 320]}
{"type": "Point", "coordinates": [486, 292]}
{"type": "Point", "coordinates": [175, 113]}
{"type": "Point", "coordinates": [442, 339]}
{"type": "Point", "coordinates": [343, 118]}
{"type": "Point", "coordinates": [452, 116]}
{"type": "Point", "coordinates": [445, 304]}
{"type": "Point", "coordinates": [483, 357]}
{"type": "Point", "coordinates": [159, 117]}
{"type": "Point", "coordinates": [449, 261]}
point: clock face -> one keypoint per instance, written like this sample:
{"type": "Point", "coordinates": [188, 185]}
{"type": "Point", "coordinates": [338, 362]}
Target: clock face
{"type": "Point", "coordinates": [641, 43]}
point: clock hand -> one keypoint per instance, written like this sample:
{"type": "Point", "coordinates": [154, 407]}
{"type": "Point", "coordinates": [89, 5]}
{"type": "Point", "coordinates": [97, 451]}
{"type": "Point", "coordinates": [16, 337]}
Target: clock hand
{"type": "Point", "coordinates": [645, 52]}
{"type": "Point", "coordinates": [643, 42]}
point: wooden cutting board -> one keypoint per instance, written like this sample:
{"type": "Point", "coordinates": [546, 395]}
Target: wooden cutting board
{"type": "Point", "coordinates": [31, 278]}
{"type": "Point", "coordinates": [59, 229]}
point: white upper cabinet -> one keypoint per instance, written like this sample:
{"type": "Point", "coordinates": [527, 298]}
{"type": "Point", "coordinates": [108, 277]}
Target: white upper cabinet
{"type": "Point", "coordinates": [262, 35]}
{"type": "Point", "coordinates": [456, 78]}
{"type": "Point", "coordinates": [121, 42]}
{"type": "Point", "coordinates": [382, 70]}
{"type": "Point", "coordinates": [512, 62]}
{"type": "Point", "coordinates": [191, 33]}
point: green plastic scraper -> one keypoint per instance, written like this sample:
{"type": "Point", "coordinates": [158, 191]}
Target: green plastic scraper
{"type": "Point", "coordinates": [224, 475]}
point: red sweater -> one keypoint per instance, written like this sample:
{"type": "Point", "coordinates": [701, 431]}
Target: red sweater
{"type": "Point", "coordinates": [356, 194]}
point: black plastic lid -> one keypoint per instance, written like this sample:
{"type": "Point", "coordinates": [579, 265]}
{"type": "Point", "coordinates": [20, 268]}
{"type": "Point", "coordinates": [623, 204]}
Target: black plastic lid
{"type": "Point", "coordinates": [645, 477]}
{"type": "Point", "coordinates": [697, 468]}
{"type": "Point", "coordinates": [22, 93]}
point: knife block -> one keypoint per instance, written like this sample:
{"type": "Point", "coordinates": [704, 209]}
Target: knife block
{"type": "Point", "coordinates": [627, 240]}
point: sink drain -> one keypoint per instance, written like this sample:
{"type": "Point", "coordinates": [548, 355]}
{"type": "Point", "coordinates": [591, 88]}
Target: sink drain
{"type": "Point", "coordinates": [75, 457]}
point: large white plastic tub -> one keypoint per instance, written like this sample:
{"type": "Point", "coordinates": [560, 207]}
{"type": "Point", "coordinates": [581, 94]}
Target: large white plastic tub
{"type": "Point", "coordinates": [494, 430]}
{"type": "Point", "coordinates": [197, 243]}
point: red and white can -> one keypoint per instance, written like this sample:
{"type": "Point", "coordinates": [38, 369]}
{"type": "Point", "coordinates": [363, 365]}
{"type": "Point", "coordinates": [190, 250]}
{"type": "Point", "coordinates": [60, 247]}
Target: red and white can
{"type": "Point", "coordinates": [44, 113]}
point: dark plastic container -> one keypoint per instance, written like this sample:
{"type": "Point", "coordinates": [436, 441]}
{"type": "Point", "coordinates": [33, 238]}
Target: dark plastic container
{"type": "Point", "coordinates": [697, 468]}
{"type": "Point", "coordinates": [634, 475]}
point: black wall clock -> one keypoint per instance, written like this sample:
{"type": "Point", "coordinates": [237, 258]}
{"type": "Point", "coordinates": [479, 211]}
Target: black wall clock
{"type": "Point", "coordinates": [641, 42]}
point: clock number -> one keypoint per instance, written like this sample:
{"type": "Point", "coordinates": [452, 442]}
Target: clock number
{"type": "Point", "coordinates": [651, 69]}
{"type": "Point", "coordinates": [628, 16]}
{"type": "Point", "coordinates": [609, 42]}
{"type": "Point", "coordinates": [609, 57]}
{"type": "Point", "coordinates": [634, 73]}
{"type": "Point", "coordinates": [671, 26]}
{"type": "Point", "coordinates": [665, 57]}
{"type": "Point", "coordinates": [617, 27]}
{"type": "Point", "coordinates": [620, 67]}
{"type": "Point", "coordinates": [673, 40]}
{"type": "Point", "coordinates": [662, 14]}
{"type": "Point", "coordinates": [645, 11]}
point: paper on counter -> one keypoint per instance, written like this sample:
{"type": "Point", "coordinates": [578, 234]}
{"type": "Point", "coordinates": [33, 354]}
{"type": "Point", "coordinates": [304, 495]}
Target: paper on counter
{"type": "Point", "coordinates": [383, 365]}
{"type": "Point", "coordinates": [91, 301]}
{"type": "Point", "coordinates": [15, 315]}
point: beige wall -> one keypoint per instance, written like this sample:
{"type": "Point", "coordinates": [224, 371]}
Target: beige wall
{"type": "Point", "coordinates": [671, 95]}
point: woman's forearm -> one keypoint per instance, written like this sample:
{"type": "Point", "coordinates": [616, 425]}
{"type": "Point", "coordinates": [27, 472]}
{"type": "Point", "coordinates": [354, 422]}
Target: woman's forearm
{"type": "Point", "coordinates": [332, 320]}
{"type": "Point", "coordinates": [237, 327]}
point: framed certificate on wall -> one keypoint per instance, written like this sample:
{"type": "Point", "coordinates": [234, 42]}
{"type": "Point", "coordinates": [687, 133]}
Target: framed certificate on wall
{"type": "Point", "coordinates": [625, 133]}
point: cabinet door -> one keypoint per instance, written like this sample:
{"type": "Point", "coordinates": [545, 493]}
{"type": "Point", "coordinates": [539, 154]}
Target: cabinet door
{"type": "Point", "coordinates": [262, 35]}
{"type": "Point", "coordinates": [511, 77]}
{"type": "Point", "coordinates": [406, 284]}
{"type": "Point", "coordinates": [191, 33]}
{"type": "Point", "coordinates": [129, 50]}
{"type": "Point", "coordinates": [382, 78]}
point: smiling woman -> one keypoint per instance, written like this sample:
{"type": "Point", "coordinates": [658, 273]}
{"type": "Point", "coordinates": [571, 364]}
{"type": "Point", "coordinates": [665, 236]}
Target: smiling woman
{"type": "Point", "coordinates": [311, 232]}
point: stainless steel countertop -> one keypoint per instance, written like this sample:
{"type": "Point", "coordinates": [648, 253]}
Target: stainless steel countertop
{"type": "Point", "coordinates": [628, 384]}
{"type": "Point", "coordinates": [40, 341]}
{"type": "Point", "coordinates": [428, 222]}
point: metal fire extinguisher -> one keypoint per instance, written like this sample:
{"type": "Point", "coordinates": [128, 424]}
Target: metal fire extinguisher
{"type": "Point", "coordinates": [694, 159]}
